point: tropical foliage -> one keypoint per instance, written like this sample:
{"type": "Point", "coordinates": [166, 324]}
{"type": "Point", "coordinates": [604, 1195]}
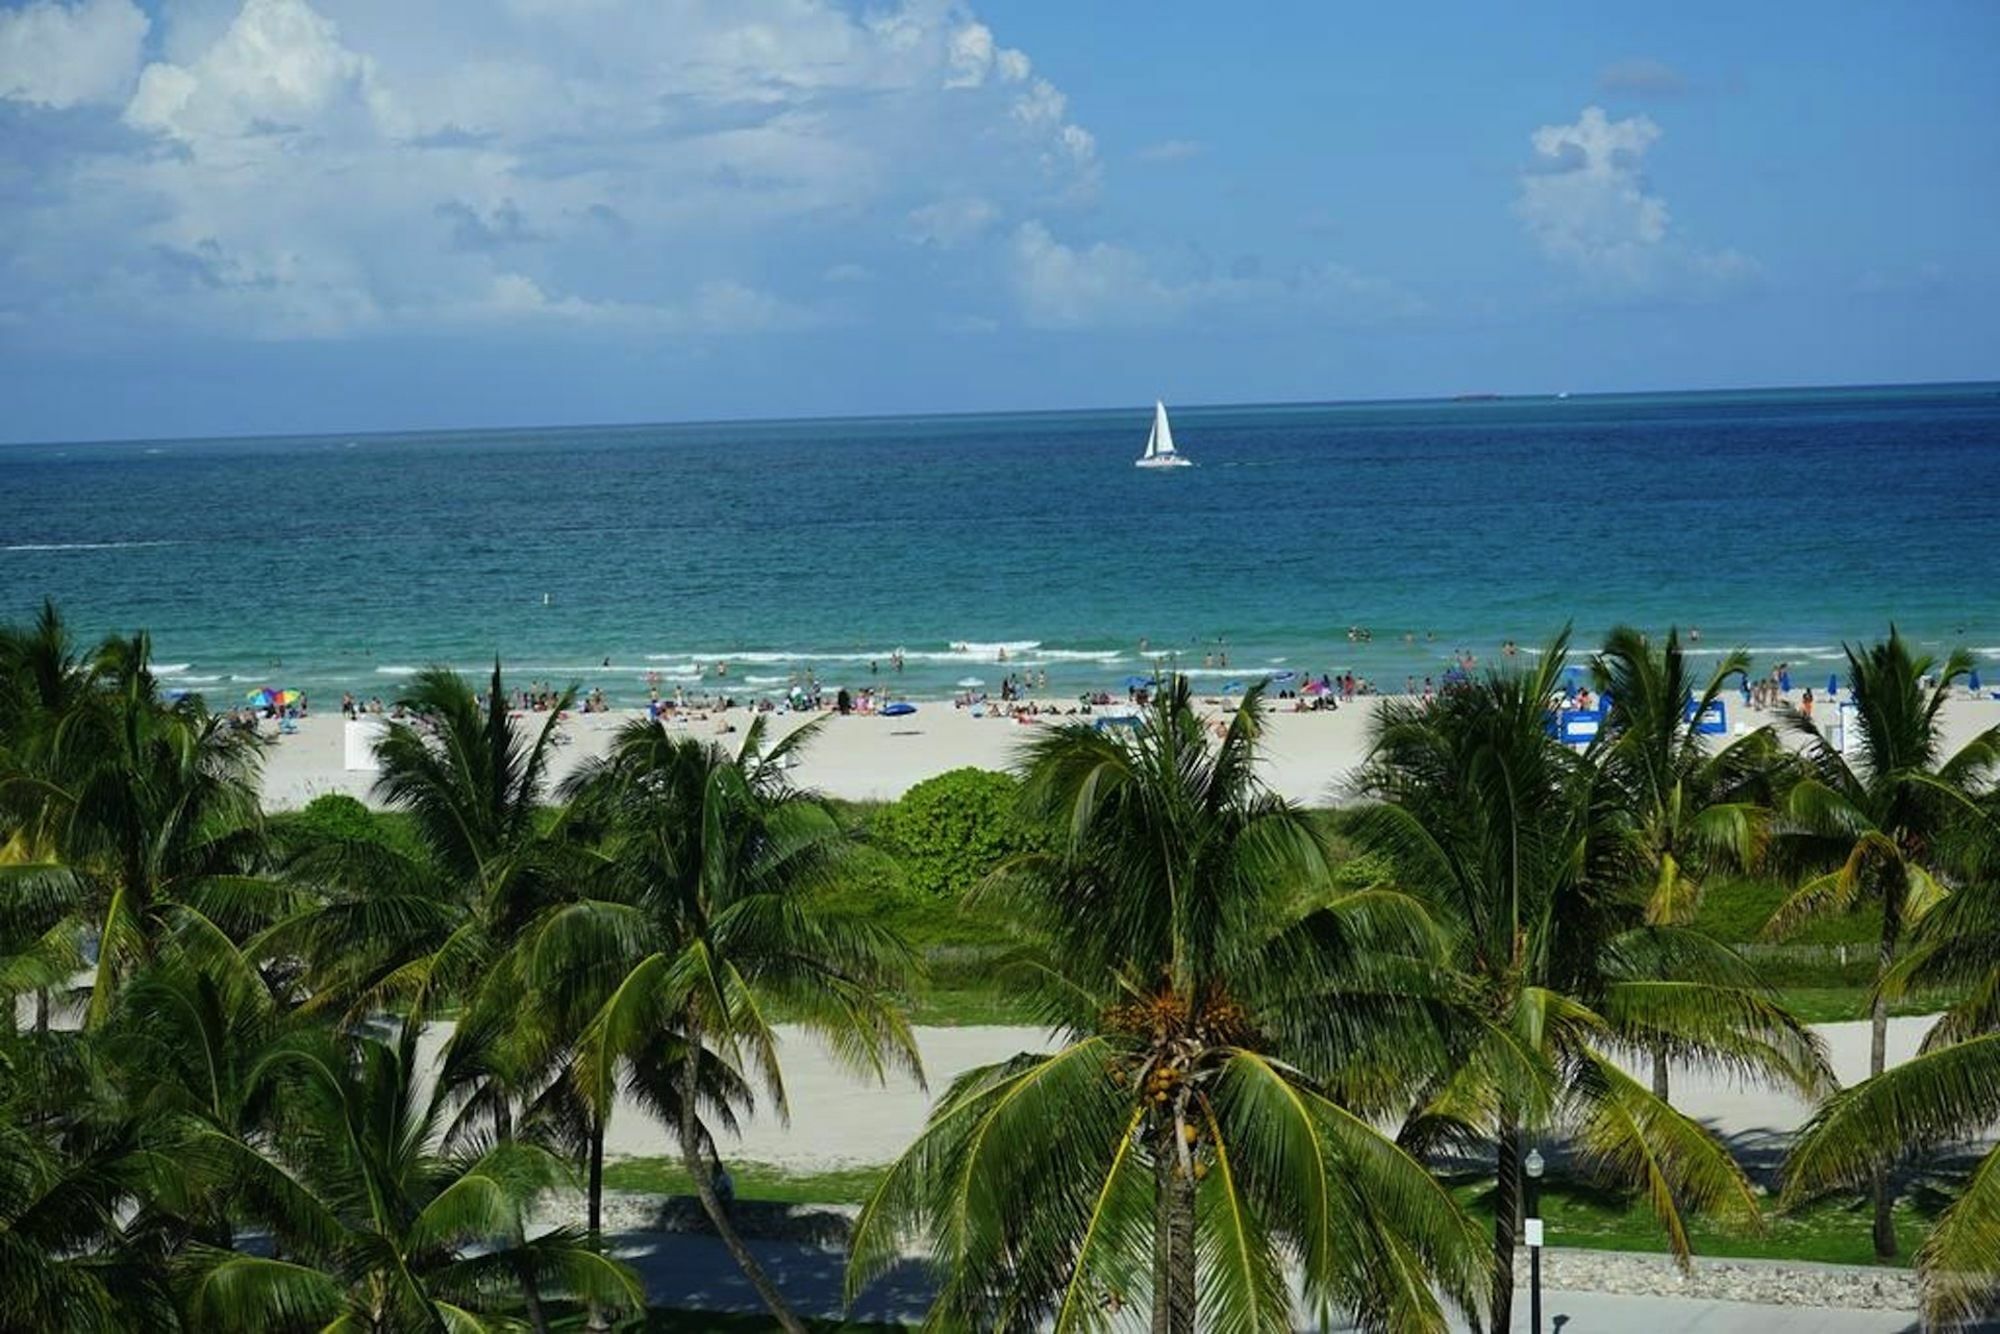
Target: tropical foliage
{"type": "Point", "coordinates": [326, 1069]}
{"type": "Point", "coordinates": [1542, 873]}
{"type": "Point", "coordinates": [1202, 1131]}
{"type": "Point", "coordinates": [1889, 823]}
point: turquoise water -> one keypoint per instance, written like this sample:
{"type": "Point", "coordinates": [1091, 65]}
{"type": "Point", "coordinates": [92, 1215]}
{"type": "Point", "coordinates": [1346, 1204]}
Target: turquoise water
{"type": "Point", "coordinates": [1785, 522]}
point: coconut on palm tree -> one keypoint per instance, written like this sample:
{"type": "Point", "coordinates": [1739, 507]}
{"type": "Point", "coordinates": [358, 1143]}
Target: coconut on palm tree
{"type": "Point", "coordinates": [1878, 826]}
{"type": "Point", "coordinates": [699, 925]}
{"type": "Point", "coordinates": [1695, 811]}
{"type": "Point", "coordinates": [1225, 1030]}
{"type": "Point", "coordinates": [1528, 861]}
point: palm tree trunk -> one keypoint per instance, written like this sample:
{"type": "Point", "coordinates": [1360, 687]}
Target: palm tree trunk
{"type": "Point", "coordinates": [1506, 1219]}
{"type": "Point", "coordinates": [1174, 1306]}
{"type": "Point", "coordinates": [1660, 1075]}
{"type": "Point", "coordinates": [531, 1292]}
{"type": "Point", "coordinates": [596, 1186]}
{"type": "Point", "coordinates": [1878, 1055]}
{"type": "Point", "coordinates": [711, 1204]}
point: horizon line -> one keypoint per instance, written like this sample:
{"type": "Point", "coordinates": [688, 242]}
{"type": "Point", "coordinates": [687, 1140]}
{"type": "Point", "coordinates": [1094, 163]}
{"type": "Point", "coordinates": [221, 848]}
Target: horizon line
{"type": "Point", "coordinates": [1468, 398]}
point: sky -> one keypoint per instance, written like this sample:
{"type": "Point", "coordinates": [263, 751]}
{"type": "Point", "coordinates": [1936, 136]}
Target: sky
{"type": "Point", "coordinates": [297, 216]}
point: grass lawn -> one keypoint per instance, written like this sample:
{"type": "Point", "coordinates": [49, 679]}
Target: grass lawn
{"type": "Point", "coordinates": [1836, 1232]}
{"type": "Point", "coordinates": [754, 1181]}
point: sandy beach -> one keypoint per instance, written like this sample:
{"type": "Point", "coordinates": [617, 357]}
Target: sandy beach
{"type": "Point", "coordinates": [1308, 757]}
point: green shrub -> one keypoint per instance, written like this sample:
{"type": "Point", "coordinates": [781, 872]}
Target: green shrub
{"type": "Point", "coordinates": [950, 830]}
{"type": "Point", "coordinates": [335, 815]}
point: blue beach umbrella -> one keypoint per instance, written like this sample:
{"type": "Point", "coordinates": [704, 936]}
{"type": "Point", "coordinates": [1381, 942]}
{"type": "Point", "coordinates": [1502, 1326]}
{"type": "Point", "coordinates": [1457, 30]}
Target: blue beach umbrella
{"type": "Point", "coordinates": [1139, 683]}
{"type": "Point", "coordinates": [1832, 685]}
{"type": "Point", "coordinates": [1235, 687]}
{"type": "Point", "coordinates": [1974, 681]}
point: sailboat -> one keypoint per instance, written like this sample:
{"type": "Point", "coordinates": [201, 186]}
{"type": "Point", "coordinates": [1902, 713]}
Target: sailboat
{"type": "Point", "coordinates": [1160, 444]}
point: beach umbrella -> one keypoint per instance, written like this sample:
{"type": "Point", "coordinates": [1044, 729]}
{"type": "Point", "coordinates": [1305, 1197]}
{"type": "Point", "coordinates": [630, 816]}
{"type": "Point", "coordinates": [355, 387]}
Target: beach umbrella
{"type": "Point", "coordinates": [1139, 683]}
{"type": "Point", "coordinates": [263, 697]}
{"type": "Point", "coordinates": [1286, 675]}
{"type": "Point", "coordinates": [1236, 687]}
{"type": "Point", "coordinates": [1832, 685]}
{"type": "Point", "coordinates": [1315, 688]}
{"type": "Point", "coordinates": [1973, 682]}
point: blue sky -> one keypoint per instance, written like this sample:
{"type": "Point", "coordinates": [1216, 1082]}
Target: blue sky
{"type": "Point", "coordinates": [249, 216]}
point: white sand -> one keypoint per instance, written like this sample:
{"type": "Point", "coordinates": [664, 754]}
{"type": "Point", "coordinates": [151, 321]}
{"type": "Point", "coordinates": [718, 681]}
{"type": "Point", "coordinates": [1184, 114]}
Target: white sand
{"type": "Point", "coordinates": [1308, 756]}
{"type": "Point", "coordinates": [838, 1119]}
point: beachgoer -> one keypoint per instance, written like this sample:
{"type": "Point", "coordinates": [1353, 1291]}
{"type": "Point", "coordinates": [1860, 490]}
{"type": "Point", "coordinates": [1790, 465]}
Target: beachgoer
{"type": "Point", "coordinates": [1805, 703]}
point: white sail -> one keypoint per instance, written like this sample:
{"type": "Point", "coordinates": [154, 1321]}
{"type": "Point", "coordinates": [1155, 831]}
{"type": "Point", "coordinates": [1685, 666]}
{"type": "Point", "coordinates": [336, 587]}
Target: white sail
{"type": "Point", "coordinates": [1162, 440]}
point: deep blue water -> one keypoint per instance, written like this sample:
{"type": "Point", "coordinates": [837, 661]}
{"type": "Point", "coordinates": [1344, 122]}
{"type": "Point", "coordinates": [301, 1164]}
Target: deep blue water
{"type": "Point", "coordinates": [1786, 522]}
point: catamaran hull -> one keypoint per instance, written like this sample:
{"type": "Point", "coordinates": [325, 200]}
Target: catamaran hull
{"type": "Point", "coordinates": [1164, 461]}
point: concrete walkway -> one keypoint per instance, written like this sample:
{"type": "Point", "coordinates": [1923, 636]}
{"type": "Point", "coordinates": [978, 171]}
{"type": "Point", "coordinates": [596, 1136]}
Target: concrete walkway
{"type": "Point", "coordinates": [696, 1273]}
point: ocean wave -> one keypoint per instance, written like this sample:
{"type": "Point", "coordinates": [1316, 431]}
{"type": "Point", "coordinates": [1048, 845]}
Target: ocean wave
{"type": "Point", "coordinates": [397, 669]}
{"type": "Point", "coordinates": [765, 680]}
{"type": "Point", "coordinates": [171, 668]}
{"type": "Point", "coordinates": [1025, 651]}
{"type": "Point", "coordinates": [1076, 655]}
{"type": "Point", "coordinates": [993, 648]}
{"type": "Point", "coordinates": [88, 546]}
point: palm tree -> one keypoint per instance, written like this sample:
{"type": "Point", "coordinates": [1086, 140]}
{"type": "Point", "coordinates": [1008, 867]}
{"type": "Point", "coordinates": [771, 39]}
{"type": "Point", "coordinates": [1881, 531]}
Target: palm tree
{"type": "Point", "coordinates": [1875, 828]}
{"type": "Point", "coordinates": [377, 1228]}
{"type": "Point", "coordinates": [138, 811]}
{"type": "Point", "coordinates": [700, 924]}
{"type": "Point", "coordinates": [1525, 856]}
{"type": "Point", "coordinates": [1696, 811]}
{"type": "Point", "coordinates": [1949, 1093]}
{"type": "Point", "coordinates": [43, 682]}
{"type": "Point", "coordinates": [440, 923]}
{"type": "Point", "coordinates": [1224, 1035]}
{"type": "Point", "coordinates": [78, 1249]}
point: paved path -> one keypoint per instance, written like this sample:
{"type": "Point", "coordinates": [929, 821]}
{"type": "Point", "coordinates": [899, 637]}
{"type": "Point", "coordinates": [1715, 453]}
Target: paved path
{"type": "Point", "coordinates": [695, 1273]}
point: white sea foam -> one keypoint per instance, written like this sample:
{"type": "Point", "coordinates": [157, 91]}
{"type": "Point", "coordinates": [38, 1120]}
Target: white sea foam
{"type": "Point", "coordinates": [85, 546]}
{"type": "Point", "coordinates": [1074, 655]}
{"type": "Point", "coordinates": [1024, 652]}
{"type": "Point", "coordinates": [171, 668]}
{"type": "Point", "coordinates": [765, 680]}
{"type": "Point", "coordinates": [397, 669]}
{"type": "Point", "coordinates": [993, 649]}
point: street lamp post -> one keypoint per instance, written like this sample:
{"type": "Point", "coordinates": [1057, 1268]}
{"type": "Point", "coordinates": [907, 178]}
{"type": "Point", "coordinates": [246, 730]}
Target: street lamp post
{"type": "Point", "coordinates": [1533, 1167]}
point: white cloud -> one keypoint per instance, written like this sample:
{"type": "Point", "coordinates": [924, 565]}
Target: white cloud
{"type": "Point", "coordinates": [279, 65]}
{"type": "Point", "coordinates": [949, 223]}
{"type": "Point", "coordinates": [59, 55]}
{"type": "Point", "coordinates": [1169, 150]}
{"type": "Point", "coordinates": [1107, 285]}
{"type": "Point", "coordinates": [307, 170]}
{"type": "Point", "coordinates": [1101, 284]}
{"type": "Point", "coordinates": [1589, 206]}
{"type": "Point", "coordinates": [975, 57]}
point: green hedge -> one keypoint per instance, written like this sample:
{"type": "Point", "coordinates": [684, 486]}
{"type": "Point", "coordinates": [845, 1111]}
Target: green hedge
{"type": "Point", "coordinates": [951, 830]}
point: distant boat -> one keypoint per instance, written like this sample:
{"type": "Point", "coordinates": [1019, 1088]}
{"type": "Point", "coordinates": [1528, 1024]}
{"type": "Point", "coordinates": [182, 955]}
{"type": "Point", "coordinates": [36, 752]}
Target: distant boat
{"type": "Point", "coordinates": [1160, 444]}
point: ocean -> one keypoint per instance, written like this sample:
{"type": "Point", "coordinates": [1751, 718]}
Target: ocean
{"type": "Point", "coordinates": [1785, 522]}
